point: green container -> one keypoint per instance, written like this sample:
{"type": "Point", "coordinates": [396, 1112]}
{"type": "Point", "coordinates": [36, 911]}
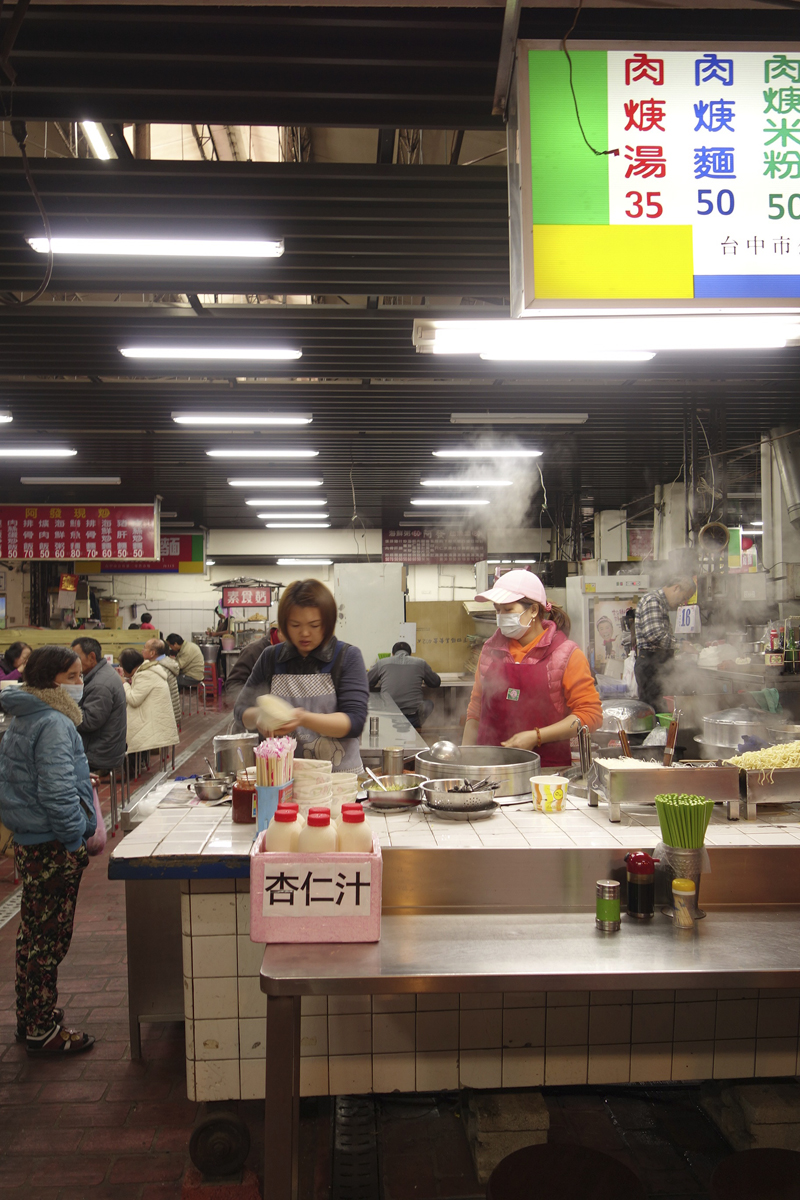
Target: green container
{"type": "Point", "coordinates": [664, 718]}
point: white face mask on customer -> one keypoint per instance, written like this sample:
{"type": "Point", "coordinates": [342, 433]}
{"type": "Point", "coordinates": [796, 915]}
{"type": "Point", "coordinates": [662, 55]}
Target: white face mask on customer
{"type": "Point", "coordinates": [75, 690]}
{"type": "Point", "coordinates": [510, 625]}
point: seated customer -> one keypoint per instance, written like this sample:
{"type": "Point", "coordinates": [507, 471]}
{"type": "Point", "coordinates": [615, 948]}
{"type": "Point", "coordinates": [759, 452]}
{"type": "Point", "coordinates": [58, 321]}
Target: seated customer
{"type": "Point", "coordinates": [12, 664]}
{"type": "Point", "coordinates": [156, 651]}
{"type": "Point", "coordinates": [151, 721]}
{"type": "Point", "coordinates": [402, 677]}
{"type": "Point", "coordinates": [105, 719]}
{"type": "Point", "coordinates": [189, 657]}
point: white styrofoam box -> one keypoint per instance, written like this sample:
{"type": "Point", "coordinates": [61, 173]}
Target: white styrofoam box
{"type": "Point", "coordinates": [307, 897]}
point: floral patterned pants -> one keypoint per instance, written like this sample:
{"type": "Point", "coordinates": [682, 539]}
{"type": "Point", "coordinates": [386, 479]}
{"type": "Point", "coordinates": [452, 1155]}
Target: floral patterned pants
{"type": "Point", "coordinates": [51, 876]}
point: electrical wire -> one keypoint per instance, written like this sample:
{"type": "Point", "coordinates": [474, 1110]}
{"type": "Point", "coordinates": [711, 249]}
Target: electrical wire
{"type": "Point", "coordinates": [711, 464]}
{"type": "Point", "coordinates": [20, 132]}
{"type": "Point", "coordinates": [593, 149]}
{"type": "Point", "coordinates": [355, 517]}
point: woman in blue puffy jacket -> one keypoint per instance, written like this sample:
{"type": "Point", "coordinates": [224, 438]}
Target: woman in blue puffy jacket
{"type": "Point", "coordinates": [46, 802]}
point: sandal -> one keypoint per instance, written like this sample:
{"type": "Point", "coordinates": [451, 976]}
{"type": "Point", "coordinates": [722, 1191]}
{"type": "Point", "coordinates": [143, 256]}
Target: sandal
{"type": "Point", "coordinates": [61, 1041]}
{"type": "Point", "coordinates": [58, 1017]}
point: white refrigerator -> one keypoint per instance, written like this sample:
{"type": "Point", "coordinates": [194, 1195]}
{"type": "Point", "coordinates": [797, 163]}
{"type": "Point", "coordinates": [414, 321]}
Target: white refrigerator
{"type": "Point", "coordinates": [370, 606]}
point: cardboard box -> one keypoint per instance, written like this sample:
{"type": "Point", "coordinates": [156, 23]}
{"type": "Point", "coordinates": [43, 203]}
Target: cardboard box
{"type": "Point", "coordinates": [443, 630]}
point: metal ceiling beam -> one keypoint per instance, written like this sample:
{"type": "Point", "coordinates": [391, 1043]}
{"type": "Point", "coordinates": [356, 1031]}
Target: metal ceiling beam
{"type": "Point", "coordinates": [505, 64]}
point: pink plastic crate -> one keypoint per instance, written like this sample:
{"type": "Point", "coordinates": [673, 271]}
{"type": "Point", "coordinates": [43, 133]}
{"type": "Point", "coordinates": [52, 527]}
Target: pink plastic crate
{"type": "Point", "coordinates": [315, 897]}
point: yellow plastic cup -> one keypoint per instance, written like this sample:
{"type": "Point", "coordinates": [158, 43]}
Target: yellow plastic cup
{"type": "Point", "coordinates": [549, 792]}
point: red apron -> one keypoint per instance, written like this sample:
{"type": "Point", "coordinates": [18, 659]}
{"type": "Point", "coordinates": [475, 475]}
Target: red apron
{"type": "Point", "coordinates": [525, 695]}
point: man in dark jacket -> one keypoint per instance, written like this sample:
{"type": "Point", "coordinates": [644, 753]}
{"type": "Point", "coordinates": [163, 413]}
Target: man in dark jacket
{"type": "Point", "coordinates": [104, 728]}
{"type": "Point", "coordinates": [402, 677]}
{"type": "Point", "coordinates": [239, 673]}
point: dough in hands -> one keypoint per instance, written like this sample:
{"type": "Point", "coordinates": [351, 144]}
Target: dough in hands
{"type": "Point", "coordinates": [274, 711]}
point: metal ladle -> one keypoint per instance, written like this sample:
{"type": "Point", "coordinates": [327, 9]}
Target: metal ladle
{"type": "Point", "coordinates": [445, 752]}
{"type": "Point", "coordinates": [372, 775]}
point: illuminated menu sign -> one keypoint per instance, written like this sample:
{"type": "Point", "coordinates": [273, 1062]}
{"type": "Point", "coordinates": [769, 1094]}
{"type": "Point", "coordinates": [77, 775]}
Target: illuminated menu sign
{"type": "Point", "coordinates": [69, 531]}
{"type": "Point", "coordinates": [244, 597]}
{"type": "Point", "coordinates": [699, 196]}
{"type": "Point", "coordinates": [433, 546]}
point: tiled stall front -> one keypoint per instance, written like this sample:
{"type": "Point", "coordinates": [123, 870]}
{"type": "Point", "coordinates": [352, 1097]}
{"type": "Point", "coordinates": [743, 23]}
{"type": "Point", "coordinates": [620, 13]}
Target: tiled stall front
{"type": "Point", "coordinates": [357, 1044]}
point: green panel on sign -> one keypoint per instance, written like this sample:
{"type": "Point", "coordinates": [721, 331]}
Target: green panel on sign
{"type": "Point", "coordinates": [570, 183]}
{"type": "Point", "coordinates": [197, 547]}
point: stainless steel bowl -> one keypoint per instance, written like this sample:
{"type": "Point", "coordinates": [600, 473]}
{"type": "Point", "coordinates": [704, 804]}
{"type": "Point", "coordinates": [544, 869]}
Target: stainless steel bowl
{"type": "Point", "coordinates": [439, 794]}
{"type": "Point", "coordinates": [635, 716]}
{"type": "Point", "coordinates": [209, 787]}
{"type": "Point", "coordinates": [405, 797]}
{"type": "Point", "coordinates": [512, 769]}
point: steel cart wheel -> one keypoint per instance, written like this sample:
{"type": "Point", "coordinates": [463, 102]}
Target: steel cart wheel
{"type": "Point", "coordinates": [220, 1144]}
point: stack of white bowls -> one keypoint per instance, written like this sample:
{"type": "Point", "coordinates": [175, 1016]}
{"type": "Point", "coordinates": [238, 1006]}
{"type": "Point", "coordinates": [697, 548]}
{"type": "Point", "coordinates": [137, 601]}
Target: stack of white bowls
{"type": "Point", "coordinates": [312, 783]}
{"type": "Point", "coordinates": [344, 788]}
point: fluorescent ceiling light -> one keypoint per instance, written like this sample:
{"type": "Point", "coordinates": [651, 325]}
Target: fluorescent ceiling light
{"type": "Point", "coordinates": [424, 522]}
{"type": "Point", "coordinates": [543, 418]}
{"type": "Point", "coordinates": [756, 522]}
{"type": "Point", "coordinates": [496, 453]}
{"type": "Point", "coordinates": [286, 503]}
{"type": "Point", "coordinates": [465, 483]}
{"type": "Point", "coordinates": [440, 501]}
{"type": "Point", "coordinates": [135, 247]}
{"type": "Point", "coordinates": [36, 452]}
{"type": "Point", "coordinates": [596, 337]}
{"type": "Point", "coordinates": [453, 518]}
{"type": "Point", "coordinates": [167, 514]}
{"type": "Point", "coordinates": [294, 525]}
{"type": "Point", "coordinates": [520, 561]}
{"type": "Point", "coordinates": [81, 480]}
{"type": "Point", "coordinates": [274, 483]}
{"type": "Point", "coordinates": [305, 562]}
{"type": "Point", "coordinates": [271, 453]}
{"type": "Point", "coordinates": [211, 562]}
{"type": "Point", "coordinates": [99, 140]}
{"type": "Point", "coordinates": [5, 417]}
{"type": "Point", "coordinates": [177, 524]}
{"type": "Point", "coordinates": [240, 419]}
{"type": "Point", "coordinates": [291, 516]}
{"type": "Point", "coordinates": [205, 353]}
{"type": "Point", "coordinates": [753, 532]}
{"type": "Point", "coordinates": [512, 354]}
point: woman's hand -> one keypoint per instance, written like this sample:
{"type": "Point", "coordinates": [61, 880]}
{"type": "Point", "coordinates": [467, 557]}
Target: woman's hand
{"type": "Point", "coordinates": [298, 717]}
{"type": "Point", "coordinates": [94, 779]}
{"type": "Point", "coordinates": [527, 740]}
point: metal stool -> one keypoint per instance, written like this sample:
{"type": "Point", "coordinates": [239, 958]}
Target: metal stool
{"type": "Point", "coordinates": [124, 786]}
{"type": "Point", "coordinates": [765, 1174]}
{"type": "Point", "coordinates": [566, 1172]}
{"type": "Point", "coordinates": [164, 758]}
{"type": "Point", "coordinates": [194, 688]}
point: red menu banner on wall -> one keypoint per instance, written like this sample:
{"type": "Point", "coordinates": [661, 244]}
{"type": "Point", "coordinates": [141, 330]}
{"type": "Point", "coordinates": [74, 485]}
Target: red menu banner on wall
{"type": "Point", "coordinates": [45, 531]}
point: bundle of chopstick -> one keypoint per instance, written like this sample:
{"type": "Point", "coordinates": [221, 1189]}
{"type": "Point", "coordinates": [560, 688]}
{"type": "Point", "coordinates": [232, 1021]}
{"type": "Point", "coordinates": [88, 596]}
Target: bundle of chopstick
{"type": "Point", "coordinates": [684, 819]}
{"type": "Point", "coordinates": [274, 761]}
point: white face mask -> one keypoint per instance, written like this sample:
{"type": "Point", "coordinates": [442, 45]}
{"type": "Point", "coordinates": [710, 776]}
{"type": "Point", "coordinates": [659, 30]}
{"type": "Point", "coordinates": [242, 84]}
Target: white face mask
{"type": "Point", "coordinates": [510, 626]}
{"type": "Point", "coordinates": [75, 690]}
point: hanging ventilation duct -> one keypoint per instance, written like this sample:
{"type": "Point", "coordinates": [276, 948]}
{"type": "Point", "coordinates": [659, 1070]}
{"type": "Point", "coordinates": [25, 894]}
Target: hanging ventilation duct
{"type": "Point", "coordinates": [787, 456]}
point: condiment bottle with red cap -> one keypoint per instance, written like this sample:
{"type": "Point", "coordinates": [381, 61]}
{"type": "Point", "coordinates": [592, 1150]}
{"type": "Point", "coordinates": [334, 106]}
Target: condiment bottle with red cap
{"type": "Point", "coordinates": [355, 835]}
{"type": "Point", "coordinates": [283, 831]}
{"type": "Point", "coordinates": [641, 884]}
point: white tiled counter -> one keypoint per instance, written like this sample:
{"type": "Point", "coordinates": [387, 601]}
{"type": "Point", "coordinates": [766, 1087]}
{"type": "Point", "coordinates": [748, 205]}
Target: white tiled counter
{"type": "Point", "coordinates": [430, 1042]}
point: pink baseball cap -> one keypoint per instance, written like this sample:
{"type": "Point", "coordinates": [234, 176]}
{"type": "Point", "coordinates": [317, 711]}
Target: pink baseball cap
{"type": "Point", "coordinates": [517, 585]}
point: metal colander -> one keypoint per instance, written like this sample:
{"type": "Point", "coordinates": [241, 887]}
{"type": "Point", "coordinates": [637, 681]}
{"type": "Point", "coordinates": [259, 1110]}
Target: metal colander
{"type": "Point", "coordinates": [439, 795]}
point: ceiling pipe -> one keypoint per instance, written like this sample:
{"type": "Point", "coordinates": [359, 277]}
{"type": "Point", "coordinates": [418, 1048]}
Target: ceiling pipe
{"type": "Point", "coordinates": [786, 448]}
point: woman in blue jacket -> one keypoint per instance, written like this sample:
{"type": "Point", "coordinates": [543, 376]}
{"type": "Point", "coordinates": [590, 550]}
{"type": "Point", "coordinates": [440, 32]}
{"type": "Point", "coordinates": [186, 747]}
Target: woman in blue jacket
{"type": "Point", "coordinates": [46, 802]}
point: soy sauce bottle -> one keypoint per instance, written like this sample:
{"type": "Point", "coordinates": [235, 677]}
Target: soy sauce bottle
{"type": "Point", "coordinates": [641, 884]}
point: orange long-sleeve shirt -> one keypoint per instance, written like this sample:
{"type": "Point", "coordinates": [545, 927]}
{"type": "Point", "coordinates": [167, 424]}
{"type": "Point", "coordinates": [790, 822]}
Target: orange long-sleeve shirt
{"type": "Point", "coordinates": [580, 691]}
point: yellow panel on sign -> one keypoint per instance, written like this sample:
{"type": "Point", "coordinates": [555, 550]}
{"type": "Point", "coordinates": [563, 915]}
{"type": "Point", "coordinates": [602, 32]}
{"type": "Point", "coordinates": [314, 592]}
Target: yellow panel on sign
{"type": "Point", "coordinates": [612, 262]}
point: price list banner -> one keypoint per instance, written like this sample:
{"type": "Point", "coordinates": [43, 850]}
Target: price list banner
{"type": "Point", "coordinates": [701, 199]}
{"type": "Point", "coordinates": [44, 531]}
{"type": "Point", "coordinates": [432, 546]}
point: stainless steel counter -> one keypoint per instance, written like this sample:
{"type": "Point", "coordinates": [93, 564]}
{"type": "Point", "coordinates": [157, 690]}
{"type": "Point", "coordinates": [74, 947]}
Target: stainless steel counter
{"type": "Point", "coordinates": [393, 730]}
{"type": "Point", "coordinates": [489, 952]}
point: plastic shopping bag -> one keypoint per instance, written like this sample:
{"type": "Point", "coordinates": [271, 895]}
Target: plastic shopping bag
{"type": "Point", "coordinates": [97, 842]}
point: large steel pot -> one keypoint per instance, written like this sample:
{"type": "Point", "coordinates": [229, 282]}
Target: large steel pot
{"type": "Point", "coordinates": [727, 728]}
{"type": "Point", "coordinates": [512, 769]}
{"type": "Point", "coordinates": [210, 651]}
{"type": "Point", "coordinates": [226, 751]}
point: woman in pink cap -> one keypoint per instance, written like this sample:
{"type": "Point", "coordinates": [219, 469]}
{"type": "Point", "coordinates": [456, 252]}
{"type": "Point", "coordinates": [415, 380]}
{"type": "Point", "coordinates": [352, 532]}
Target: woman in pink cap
{"type": "Point", "coordinates": [533, 686]}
